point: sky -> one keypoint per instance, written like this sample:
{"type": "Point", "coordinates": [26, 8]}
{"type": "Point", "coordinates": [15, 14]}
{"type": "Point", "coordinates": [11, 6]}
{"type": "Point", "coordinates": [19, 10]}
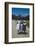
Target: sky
{"type": "Point", "coordinates": [20, 11]}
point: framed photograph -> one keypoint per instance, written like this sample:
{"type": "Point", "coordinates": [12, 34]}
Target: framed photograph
{"type": "Point", "coordinates": [19, 22]}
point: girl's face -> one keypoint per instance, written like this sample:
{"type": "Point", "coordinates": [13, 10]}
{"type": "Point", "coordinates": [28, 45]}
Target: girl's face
{"type": "Point", "coordinates": [19, 22]}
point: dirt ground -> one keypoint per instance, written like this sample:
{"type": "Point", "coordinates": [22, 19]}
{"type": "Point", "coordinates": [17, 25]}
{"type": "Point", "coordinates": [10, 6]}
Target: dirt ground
{"type": "Point", "coordinates": [15, 32]}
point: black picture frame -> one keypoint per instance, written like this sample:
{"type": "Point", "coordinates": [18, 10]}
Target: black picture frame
{"type": "Point", "coordinates": [6, 22]}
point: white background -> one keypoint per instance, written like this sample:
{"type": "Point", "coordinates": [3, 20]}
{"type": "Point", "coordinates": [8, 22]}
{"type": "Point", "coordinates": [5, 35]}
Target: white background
{"type": "Point", "coordinates": [2, 23]}
{"type": "Point", "coordinates": [10, 23]}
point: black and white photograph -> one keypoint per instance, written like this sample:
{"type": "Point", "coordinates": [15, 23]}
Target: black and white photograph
{"type": "Point", "coordinates": [19, 22]}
